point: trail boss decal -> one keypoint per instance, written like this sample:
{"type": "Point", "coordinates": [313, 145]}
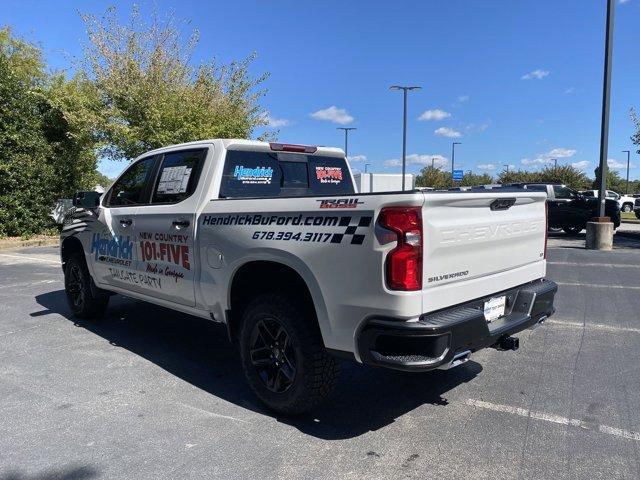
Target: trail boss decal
{"type": "Point", "coordinates": [339, 203]}
{"type": "Point", "coordinates": [330, 229]}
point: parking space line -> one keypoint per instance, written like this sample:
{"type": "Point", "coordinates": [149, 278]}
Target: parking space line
{"type": "Point", "coordinates": [551, 418]}
{"type": "Point", "coordinates": [578, 264]}
{"type": "Point", "coordinates": [28, 257]}
{"type": "Point", "coordinates": [595, 326]}
{"type": "Point", "coordinates": [596, 285]}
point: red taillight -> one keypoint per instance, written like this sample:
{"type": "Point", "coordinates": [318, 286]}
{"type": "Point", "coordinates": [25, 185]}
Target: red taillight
{"type": "Point", "coordinates": [404, 262]}
{"type": "Point", "coordinates": [546, 227]}
{"type": "Point", "coordinates": [288, 147]}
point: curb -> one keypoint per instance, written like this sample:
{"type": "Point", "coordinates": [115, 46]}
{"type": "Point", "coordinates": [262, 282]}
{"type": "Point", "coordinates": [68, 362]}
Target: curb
{"type": "Point", "coordinates": [35, 242]}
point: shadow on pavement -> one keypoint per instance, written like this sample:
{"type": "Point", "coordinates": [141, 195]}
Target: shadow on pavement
{"type": "Point", "coordinates": [198, 351]}
{"type": "Point", "coordinates": [71, 473]}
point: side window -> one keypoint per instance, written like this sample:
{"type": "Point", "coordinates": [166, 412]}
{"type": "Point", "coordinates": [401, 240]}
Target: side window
{"type": "Point", "coordinates": [588, 193]}
{"type": "Point", "coordinates": [129, 188]}
{"type": "Point", "coordinates": [537, 188]}
{"type": "Point", "coordinates": [563, 192]}
{"type": "Point", "coordinates": [178, 175]}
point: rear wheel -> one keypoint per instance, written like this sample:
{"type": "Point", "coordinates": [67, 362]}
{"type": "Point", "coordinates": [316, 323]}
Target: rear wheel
{"type": "Point", "coordinates": [283, 357]}
{"type": "Point", "coordinates": [627, 207]}
{"type": "Point", "coordinates": [84, 301]}
{"type": "Point", "coordinates": [572, 230]}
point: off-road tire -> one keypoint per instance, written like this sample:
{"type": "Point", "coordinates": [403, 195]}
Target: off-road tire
{"type": "Point", "coordinates": [84, 299]}
{"type": "Point", "coordinates": [316, 371]}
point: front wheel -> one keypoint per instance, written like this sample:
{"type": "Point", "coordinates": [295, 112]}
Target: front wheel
{"type": "Point", "coordinates": [627, 207]}
{"type": "Point", "coordinates": [83, 301]}
{"type": "Point", "coordinates": [283, 357]}
{"type": "Point", "coordinates": [572, 230]}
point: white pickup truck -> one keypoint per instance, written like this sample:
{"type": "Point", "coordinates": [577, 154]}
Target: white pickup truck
{"type": "Point", "coordinates": [272, 240]}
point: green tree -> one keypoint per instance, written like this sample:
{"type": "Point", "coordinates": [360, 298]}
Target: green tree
{"type": "Point", "coordinates": [151, 93]}
{"type": "Point", "coordinates": [614, 181]}
{"type": "Point", "coordinates": [44, 152]}
{"type": "Point", "coordinates": [473, 179]}
{"type": "Point", "coordinates": [517, 176]}
{"type": "Point", "coordinates": [433, 177]}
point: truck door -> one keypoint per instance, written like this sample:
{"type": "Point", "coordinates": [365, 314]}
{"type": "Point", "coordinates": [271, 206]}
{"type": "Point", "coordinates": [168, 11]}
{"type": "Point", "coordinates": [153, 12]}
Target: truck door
{"type": "Point", "coordinates": [165, 228]}
{"type": "Point", "coordinates": [112, 252]}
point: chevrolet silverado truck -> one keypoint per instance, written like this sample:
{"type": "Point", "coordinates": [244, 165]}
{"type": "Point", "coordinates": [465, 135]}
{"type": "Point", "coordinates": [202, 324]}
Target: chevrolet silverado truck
{"type": "Point", "coordinates": [272, 241]}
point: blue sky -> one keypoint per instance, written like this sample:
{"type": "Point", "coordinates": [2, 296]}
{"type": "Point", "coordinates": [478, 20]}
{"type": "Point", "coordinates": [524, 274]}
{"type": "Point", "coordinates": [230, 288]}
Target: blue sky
{"type": "Point", "coordinates": [517, 82]}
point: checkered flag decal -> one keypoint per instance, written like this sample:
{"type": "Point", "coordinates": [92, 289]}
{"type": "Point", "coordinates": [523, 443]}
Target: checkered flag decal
{"type": "Point", "coordinates": [351, 225]}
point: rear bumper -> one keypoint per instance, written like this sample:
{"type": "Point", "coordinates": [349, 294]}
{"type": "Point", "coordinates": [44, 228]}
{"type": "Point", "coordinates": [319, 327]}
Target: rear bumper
{"type": "Point", "coordinates": [445, 338]}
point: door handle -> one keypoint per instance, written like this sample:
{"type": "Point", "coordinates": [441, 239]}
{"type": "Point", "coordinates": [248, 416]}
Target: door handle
{"type": "Point", "coordinates": [125, 222]}
{"type": "Point", "coordinates": [181, 223]}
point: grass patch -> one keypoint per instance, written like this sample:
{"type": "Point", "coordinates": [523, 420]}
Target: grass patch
{"type": "Point", "coordinates": [629, 217]}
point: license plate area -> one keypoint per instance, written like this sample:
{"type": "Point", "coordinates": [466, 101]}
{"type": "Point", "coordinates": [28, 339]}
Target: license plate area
{"type": "Point", "coordinates": [494, 308]}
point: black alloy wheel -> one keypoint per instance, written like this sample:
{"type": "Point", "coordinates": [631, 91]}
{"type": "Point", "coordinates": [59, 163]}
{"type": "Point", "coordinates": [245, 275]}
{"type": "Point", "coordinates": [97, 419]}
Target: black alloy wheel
{"type": "Point", "coordinates": [272, 355]}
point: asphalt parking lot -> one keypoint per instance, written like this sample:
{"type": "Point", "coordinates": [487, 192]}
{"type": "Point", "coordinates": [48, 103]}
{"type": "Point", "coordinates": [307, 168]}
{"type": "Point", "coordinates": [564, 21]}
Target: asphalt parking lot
{"type": "Point", "coordinates": [149, 393]}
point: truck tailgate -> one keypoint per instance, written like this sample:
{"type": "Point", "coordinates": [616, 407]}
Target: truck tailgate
{"type": "Point", "coordinates": [474, 248]}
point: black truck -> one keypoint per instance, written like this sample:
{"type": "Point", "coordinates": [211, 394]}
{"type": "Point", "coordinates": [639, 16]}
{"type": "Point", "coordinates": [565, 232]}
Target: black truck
{"type": "Point", "coordinates": [569, 210]}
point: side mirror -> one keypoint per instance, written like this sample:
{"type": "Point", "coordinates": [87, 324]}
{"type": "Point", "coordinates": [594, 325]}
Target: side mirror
{"type": "Point", "coordinates": [89, 200]}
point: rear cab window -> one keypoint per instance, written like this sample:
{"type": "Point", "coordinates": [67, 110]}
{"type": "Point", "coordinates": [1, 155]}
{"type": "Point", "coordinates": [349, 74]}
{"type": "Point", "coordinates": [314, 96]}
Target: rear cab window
{"type": "Point", "coordinates": [251, 174]}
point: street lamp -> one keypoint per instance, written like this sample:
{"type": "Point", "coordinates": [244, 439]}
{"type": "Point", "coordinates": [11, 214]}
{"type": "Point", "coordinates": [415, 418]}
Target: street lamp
{"type": "Point", "coordinates": [606, 95]}
{"type": "Point", "coordinates": [365, 167]}
{"type": "Point", "coordinates": [507, 167]}
{"type": "Point", "coordinates": [626, 189]}
{"type": "Point", "coordinates": [404, 126]}
{"type": "Point", "coordinates": [346, 138]}
{"type": "Point", "coordinates": [453, 157]}
{"type": "Point", "coordinates": [555, 162]}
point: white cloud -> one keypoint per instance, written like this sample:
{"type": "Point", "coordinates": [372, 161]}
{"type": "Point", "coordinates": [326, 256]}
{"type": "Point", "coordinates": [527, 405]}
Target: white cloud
{"type": "Point", "coordinates": [613, 163]}
{"type": "Point", "coordinates": [623, 1]}
{"type": "Point", "coordinates": [392, 163]}
{"type": "Point", "coordinates": [357, 158]}
{"type": "Point", "coordinates": [487, 166]}
{"type": "Point", "coordinates": [548, 157]}
{"type": "Point", "coordinates": [570, 90]}
{"type": "Point", "coordinates": [535, 74]}
{"type": "Point", "coordinates": [275, 122]}
{"type": "Point", "coordinates": [472, 127]}
{"type": "Point", "coordinates": [422, 160]}
{"type": "Point", "coordinates": [581, 165]}
{"type": "Point", "coordinates": [447, 132]}
{"type": "Point", "coordinates": [333, 114]}
{"type": "Point", "coordinates": [435, 114]}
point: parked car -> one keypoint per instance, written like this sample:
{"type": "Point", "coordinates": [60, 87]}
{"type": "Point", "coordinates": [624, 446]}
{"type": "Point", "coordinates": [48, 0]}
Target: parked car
{"type": "Point", "coordinates": [569, 210]}
{"type": "Point", "coordinates": [625, 202]}
{"type": "Point", "coordinates": [636, 208]}
{"type": "Point", "coordinates": [273, 241]}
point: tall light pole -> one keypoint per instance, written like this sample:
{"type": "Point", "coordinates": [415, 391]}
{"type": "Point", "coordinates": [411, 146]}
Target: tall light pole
{"type": "Point", "coordinates": [626, 189]}
{"type": "Point", "coordinates": [365, 167]}
{"type": "Point", "coordinates": [506, 167]}
{"type": "Point", "coordinates": [346, 138]}
{"type": "Point", "coordinates": [453, 157]}
{"type": "Point", "coordinates": [555, 162]}
{"type": "Point", "coordinates": [606, 95]}
{"type": "Point", "coordinates": [404, 126]}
